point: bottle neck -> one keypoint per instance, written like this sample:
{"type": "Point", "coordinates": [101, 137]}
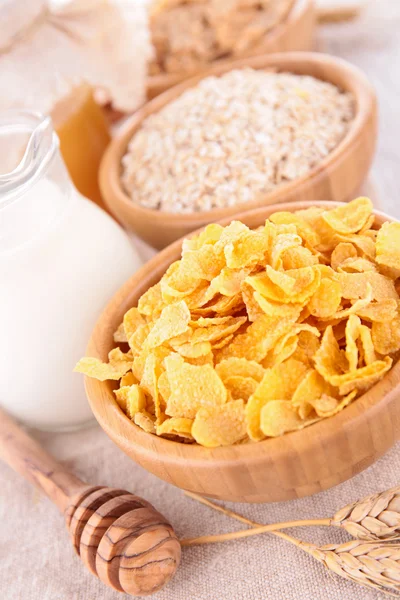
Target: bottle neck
{"type": "Point", "coordinates": [35, 187]}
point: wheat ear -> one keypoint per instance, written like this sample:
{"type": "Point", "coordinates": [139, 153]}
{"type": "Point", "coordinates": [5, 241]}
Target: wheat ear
{"type": "Point", "coordinates": [375, 517]}
{"type": "Point", "coordinates": [372, 518]}
{"type": "Point", "coordinates": [371, 564]}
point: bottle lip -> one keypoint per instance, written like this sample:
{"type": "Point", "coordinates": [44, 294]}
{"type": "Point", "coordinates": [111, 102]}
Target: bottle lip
{"type": "Point", "coordinates": [40, 149]}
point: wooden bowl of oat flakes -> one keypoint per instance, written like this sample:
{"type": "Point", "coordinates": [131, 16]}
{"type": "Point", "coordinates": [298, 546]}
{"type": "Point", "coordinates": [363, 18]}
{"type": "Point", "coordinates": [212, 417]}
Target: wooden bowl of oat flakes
{"type": "Point", "coordinates": [260, 131]}
{"type": "Point", "coordinates": [189, 37]}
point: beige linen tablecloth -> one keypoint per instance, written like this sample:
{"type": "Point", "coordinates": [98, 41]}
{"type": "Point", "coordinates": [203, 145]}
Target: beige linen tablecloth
{"type": "Point", "coordinates": [37, 561]}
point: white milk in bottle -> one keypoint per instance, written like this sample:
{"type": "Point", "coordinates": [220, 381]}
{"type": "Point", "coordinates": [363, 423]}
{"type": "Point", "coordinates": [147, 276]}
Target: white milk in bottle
{"type": "Point", "coordinates": [61, 260]}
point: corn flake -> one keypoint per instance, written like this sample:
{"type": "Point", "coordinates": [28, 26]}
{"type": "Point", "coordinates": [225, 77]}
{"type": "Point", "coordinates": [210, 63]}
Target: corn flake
{"type": "Point", "coordinates": [341, 253]}
{"type": "Point", "coordinates": [173, 321]}
{"type": "Point", "coordinates": [309, 392]}
{"type": "Point", "coordinates": [279, 417]}
{"type": "Point", "coordinates": [145, 421]}
{"type": "Point", "coordinates": [349, 218]}
{"type": "Point", "coordinates": [240, 387]}
{"type": "Point", "coordinates": [95, 368]}
{"type": "Point", "coordinates": [388, 245]}
{"type": "Point", "coordinates": [220, 425]}
{"type": "Point", "coordinates": [325, 302]}
{"type": "Point", "coordinates": [386, 336]}
{"type": "Point", "coordinates": [192, 388]}
{"type": "Point", "coordinates": [176, 426]}
{"type": "Point", "coordinates": [135, 401]}
{"type": "Point", "coordinates": [278, 383]}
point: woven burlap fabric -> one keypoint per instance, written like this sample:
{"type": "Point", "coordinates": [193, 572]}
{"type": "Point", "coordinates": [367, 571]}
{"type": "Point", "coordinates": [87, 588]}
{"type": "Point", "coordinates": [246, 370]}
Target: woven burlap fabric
{"type": "Point", "coordinates": [37, 561]}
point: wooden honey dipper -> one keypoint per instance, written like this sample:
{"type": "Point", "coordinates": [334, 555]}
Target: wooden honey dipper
{"type": "Point", "coordinates": [120, 537]}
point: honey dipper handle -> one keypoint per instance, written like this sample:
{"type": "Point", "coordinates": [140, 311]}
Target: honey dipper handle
{"type": "Point", "coordinates": [27, 458]}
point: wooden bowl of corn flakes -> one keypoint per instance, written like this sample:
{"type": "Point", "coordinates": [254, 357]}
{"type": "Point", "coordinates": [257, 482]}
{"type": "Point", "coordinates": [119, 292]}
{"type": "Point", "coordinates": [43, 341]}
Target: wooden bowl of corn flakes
{"type": "Point", "coordinates": [262, 365]}
{"type": "Point", "coordinates": [295, 126]}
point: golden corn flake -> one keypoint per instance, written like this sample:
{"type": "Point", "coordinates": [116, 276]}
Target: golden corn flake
{"type": "Point", "coordinates": [210, 235]}
{"type": "Point", "coordinates": [349, 218]}
{"type": "Point", "coordinates": [259, 337]}
{"type": "Point", "coordinates": [132, 320]}
{"type": "Point", "coordinates": [327, 406]}
{"type": "Point", "coordinates": [364, 243]}
{"type": "Point", "coordinates": [95, 368]}
{"type": "Point", "coordinates": [388, 245]}
{"type": "Point", "coordinates": [174, 320]}
{"type": "Point", "coordinates": [120, 335]}
{"type": "Point", "coordinates": [240, 387]}
{"type": "Point", "coordinates": [192, 388]}
{"type": "Point", "coordinates": [192, 350]}
{"type": "Point", "coordinates": [306, 348]}
{"type": "Point", "coordinates": [341, 253]}
{"type": "Point", "coordinates": [283, 350]}
{"type": "Point", "coordinates": [145, 421]}
{"type": "Point", "coordinates": [119, 360]}
{"type": "Point", "coordinates": [248, 248]}
{"type": "Point", "coordinates": [220, 425]}
{"type": "Point", "coordinates": [278, 383]}
{"type": "Point", "coordinates": [151, 303]}
{"type": "Point", "coordinates": [386, 336]}
{"type": "Point", "coordinates": [308, 234]}
{"type": "Point", "coordinates": [326, 300]}
{"type": "Point", "coordinates": [273, 309]}
{"type": "Point", "coordinates": [255, 333]}
{"type": "Point", "coordinates": [163, 387]}
{"type": "Point", "coordinates": [135, 401]}
{"type": "Point", "coordinates": [309, 392]}
{"type": "Point", "coordinates": [137, 339]}
{"type": "Point", "coordinates": [282, 243]}
{"type": "Point", "coordinates": [329, 359]}
{"type": "Point", "coordinates": [356, 265]}
{"type": "Point", "coordinates": [352, 333]}
{"type": "Point", "coordinates": [294, 286]}
{"type": "Point", "coordinates": [355, 285]}
{"type": "Point", "coordinates": [176, 426]}
{"type": "Point", "coordinates": [366, 345]}
{"type": "Point", "coordinates": [297, 258]}
{"type": "Point", "coordinates": [121, 396]}
{"type": "Point", "coordinates": [279, 417]}
{"type": "Point", "coordinates": [240, 367]}
{"type": "Point", "coordinates": [363, 378]}
{"type": "Point", "coordinates": [128, 380]}
{"type": "Point", "coordinates": [222, 343]}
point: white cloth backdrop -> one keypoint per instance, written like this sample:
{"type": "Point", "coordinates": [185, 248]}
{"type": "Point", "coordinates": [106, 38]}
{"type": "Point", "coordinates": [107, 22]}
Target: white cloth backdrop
{"type": "Point", "coordinates": [36, 557]}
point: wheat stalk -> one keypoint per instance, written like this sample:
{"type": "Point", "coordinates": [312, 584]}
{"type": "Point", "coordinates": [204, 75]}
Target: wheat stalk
{"type": "Point", "coordinates": [375, 517]}
{"type": "Point", "coordinates": [374, 564]}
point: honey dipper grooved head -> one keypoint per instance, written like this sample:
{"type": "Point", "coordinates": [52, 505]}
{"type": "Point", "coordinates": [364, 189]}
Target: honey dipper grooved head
{"type": "Point", "coordinates": [123, 540]}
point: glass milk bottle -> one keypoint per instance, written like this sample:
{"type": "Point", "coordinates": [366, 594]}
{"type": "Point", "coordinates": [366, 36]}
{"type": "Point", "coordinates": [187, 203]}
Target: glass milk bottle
{"type": "Point", "coordinates": [61, 260]}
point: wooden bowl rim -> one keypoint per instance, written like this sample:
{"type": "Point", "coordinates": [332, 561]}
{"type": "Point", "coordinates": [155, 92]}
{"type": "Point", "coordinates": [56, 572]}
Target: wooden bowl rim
{"type": "Point", "coordinates": [299, 8]}
{"type": "Point", "coordinates": [110, 168]}
{"type": "Point", "coordinates": [174, 452]}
